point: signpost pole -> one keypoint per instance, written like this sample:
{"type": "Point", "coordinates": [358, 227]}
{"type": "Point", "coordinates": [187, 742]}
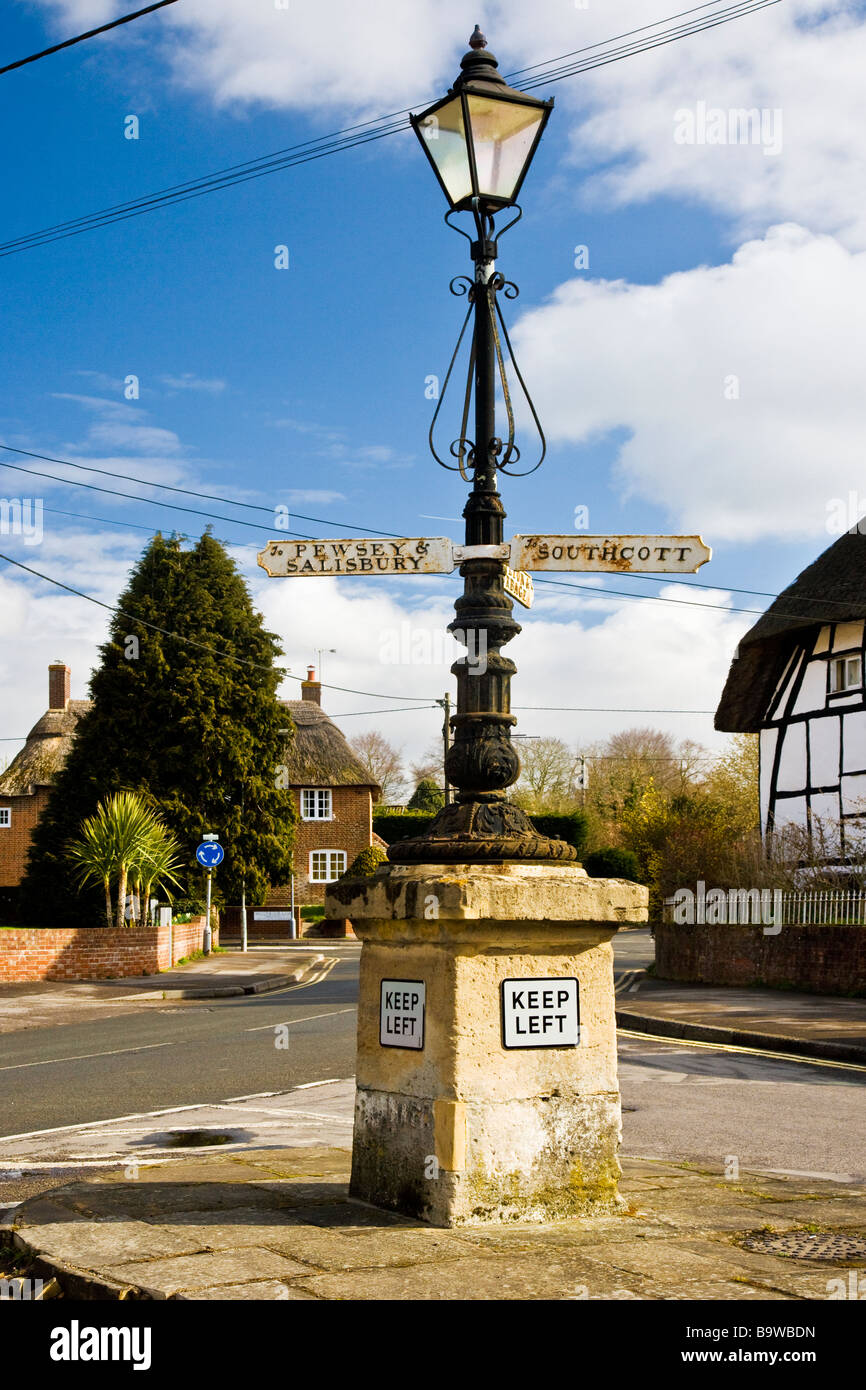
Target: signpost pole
{"type": "Point", "coordinates": [206, 945]}
{"type": "Point", "coordinates": [446, 742]}
{"type": "Point", "coordinates": [244, 915]}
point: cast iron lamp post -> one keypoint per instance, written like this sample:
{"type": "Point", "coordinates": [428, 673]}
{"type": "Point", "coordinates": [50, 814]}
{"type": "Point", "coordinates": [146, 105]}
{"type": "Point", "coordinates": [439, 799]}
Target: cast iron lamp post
{"type": "Point", "coordinates": [480, 140]}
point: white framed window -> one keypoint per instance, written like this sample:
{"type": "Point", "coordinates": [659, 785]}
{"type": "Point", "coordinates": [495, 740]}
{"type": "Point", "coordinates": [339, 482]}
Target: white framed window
{"type": "Point", "coordinates": [316, 803]}
{"type": "Point", "coordinates": [5, 817]}
{"type": "Point", "coordinates": [326, 865]}
{"type": "Point", "coordinates": [846, 673]}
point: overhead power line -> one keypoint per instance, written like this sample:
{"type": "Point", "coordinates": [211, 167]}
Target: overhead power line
{"type": "Point", "coordinates": [610, 594]}
{"type": "Point", "coordinates": [552, 70]}
{"type": "Point", "coordinates": [149, 501]}
{"type": "Point", "coordinates": [185, 491]}
{"type": "Point", "coordinates": [201, 646]}
{"type": "Point", "coordinates": [555, 70]}
{"type": "Point", "coordinates": [91, 33]}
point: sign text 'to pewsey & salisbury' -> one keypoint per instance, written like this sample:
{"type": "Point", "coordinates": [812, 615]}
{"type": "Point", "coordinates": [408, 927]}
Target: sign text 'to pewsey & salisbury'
{"type": "Point", "coordinates": [412, 555]}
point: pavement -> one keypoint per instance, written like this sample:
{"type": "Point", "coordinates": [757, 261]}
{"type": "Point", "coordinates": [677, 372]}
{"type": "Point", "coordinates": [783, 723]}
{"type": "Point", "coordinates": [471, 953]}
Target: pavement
{"type": "Point", "coordinates": [279, 1225]}
{"type": "Point", "coordinates": [804, 1025]}
{"type": "Point", "coordinates": [223, 975]}
{"type": "Point", "coordinates": [247, 1197]}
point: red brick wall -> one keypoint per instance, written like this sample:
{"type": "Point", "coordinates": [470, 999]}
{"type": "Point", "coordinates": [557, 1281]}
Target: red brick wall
{"type": "Point", "coordinates": [15, 841]}
{"type": "Point", "coordinates": [815, 959]}
{"type": "Point", "coordinates": [351, 830]}
{"type": "Point", "coordinates": [94, 953]}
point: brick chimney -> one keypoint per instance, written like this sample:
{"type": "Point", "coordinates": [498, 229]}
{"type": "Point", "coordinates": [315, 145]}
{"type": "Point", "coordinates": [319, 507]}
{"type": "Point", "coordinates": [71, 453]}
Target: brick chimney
{"type": "Point", "coordinates": [311, 689]}
{"type": "Point", "coordinates": [58, 685]}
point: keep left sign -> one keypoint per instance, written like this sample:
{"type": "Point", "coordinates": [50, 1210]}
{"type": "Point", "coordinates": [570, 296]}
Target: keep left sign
{"type": "Point", "coordinates": [401, 1013]}
{"type": "Point", "coordinates": [540, 1012]}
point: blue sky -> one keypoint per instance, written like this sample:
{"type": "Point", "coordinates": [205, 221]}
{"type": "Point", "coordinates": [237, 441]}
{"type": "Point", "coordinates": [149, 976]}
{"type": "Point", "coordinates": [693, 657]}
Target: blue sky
{"type": "Point", "coordinates": [306, 386]}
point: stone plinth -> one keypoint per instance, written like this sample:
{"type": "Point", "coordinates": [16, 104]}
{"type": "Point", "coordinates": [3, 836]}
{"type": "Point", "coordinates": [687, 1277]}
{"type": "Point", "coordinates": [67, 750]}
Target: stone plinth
{"type": "Point", "coordinates": [465, 1130]}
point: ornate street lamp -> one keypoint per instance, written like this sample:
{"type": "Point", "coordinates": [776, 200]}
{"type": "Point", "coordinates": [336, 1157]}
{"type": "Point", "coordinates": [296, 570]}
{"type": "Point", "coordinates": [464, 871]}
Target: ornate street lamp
{"type": "Point", "coordinates": [480, 140]}
{"type": "Point", "coordinates": [482, 136]}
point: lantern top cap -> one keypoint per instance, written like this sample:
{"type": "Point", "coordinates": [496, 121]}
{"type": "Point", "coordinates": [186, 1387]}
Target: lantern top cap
{"type": "Point", "coordinates": [478, 65]}
{"type": "Point", "coordinates": [479, 72]}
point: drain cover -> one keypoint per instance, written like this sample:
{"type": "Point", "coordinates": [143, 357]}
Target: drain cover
{"type": "Point", "coordinates": [835, 1246]}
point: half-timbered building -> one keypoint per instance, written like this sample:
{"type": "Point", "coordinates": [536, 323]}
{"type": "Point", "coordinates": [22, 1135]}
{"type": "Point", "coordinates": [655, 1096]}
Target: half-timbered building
{"type": "Point", "coordinates": [797, 680]}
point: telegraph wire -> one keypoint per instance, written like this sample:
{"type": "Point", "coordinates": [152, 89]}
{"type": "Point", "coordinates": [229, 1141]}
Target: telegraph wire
{"type": "Point", "coordinates": [184, 491]}
{"type": "Point", "coordinates": [738, 11]}
{"type": "Point", "coordinates": [347, 525]}
{"type": "Point", "coordinates": [535, 67]}
{"type": "Point", "coordinates": [213, 651]}
{"type": "Point", "coordinates": [91, 33]}
{"type": "Point", "coordinates": [152, 501]}
{"type": "Point", "coordinates": [555, 70]}
{"type": "Point", "coordinates": [598, 592]}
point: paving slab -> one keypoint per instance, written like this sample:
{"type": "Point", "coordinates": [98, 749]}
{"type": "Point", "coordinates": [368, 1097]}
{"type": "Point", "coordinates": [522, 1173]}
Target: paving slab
{"type": "Point", "coordinates": [164, 1278]}
{"type": "Point", "coordinates": [262, 1289]}
{"type": "Point", "coordinates": [234, 1228]}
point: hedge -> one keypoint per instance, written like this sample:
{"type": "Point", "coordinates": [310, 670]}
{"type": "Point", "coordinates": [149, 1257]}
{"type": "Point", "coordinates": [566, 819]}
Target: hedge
{"type": "Point", "coordinates": [394, 826]}
{"type": "Point", "coordinates": [612, 863]}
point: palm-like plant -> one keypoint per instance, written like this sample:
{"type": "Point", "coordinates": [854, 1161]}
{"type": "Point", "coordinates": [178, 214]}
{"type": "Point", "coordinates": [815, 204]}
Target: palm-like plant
{"type": "Point", "coordinates": [157, 864]}
{"type": "Point", "coordinates": [94, 858]}
{"type": "Point", "coordinates": [124, 841]}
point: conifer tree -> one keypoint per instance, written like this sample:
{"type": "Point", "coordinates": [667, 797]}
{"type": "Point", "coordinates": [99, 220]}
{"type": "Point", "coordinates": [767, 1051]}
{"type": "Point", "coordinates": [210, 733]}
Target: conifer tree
{"type": "Point", "coordinates": [184, 711]}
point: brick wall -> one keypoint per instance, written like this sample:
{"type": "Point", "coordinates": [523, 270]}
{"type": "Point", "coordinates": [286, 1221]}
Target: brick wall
{"type": "Point", "coordinates": [351, 830]}
{"type": "Point", "coordinates": [94, 953]}
{"type": "Point", "coordinates": [15, 839]}
{"type": "Point", "coordinates": [815, 959]}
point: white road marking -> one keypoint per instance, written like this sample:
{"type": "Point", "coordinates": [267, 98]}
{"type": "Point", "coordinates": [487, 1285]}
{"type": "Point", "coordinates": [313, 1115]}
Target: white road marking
{"type": "Point", "coordinates": [676, 1043]}
{"type": "Point", "coordinates": [94, 1124]}
{"type": "Point", "coordinates": [269, 1027]}
{"type": "Point", "coordinates": [255, 1095]}
{"type": "Point", "coordinates": [85, 1056]}
{"type": "Point", "coordinates": [169, 1110]}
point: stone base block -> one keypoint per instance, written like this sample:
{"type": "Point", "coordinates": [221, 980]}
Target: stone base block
{"type": "Point", "coordinates": [540, 1158]}
{"type": "Point", "coordinates": [451, 1124]}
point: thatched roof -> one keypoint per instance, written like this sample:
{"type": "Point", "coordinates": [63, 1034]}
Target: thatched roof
{"type": "Point", "coordinates": [830, 590]}
{"type": "Point", "coordinates": [45, 751]}
{"type": "Point", "coordinates": [318, 755]}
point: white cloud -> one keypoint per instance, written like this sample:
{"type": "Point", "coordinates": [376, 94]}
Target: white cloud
{"type": "Point", "coordinates": [565, 655]}
{"type": "Point", "coordinates": [337, 60]}
{"type": "Point", "coordinates": [308, 495]}
{"type": "Point", "coordinates": [188, 381]}
{"type": "Point", "coordinates": [804, 58]}
{"type": "Point", "coordinates": [784, 319]}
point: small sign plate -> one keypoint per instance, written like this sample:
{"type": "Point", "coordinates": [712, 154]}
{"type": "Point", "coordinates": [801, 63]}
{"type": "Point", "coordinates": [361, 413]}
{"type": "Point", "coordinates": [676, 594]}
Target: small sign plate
{"type": "Point", "coordinates": [540, 1012]}
{"type": "Point", "coordinates": [209, 854]}
{"type": "Point", "coordinates": [518, 584]}
{"type": "Point", "coordinates": [401, 1014]}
